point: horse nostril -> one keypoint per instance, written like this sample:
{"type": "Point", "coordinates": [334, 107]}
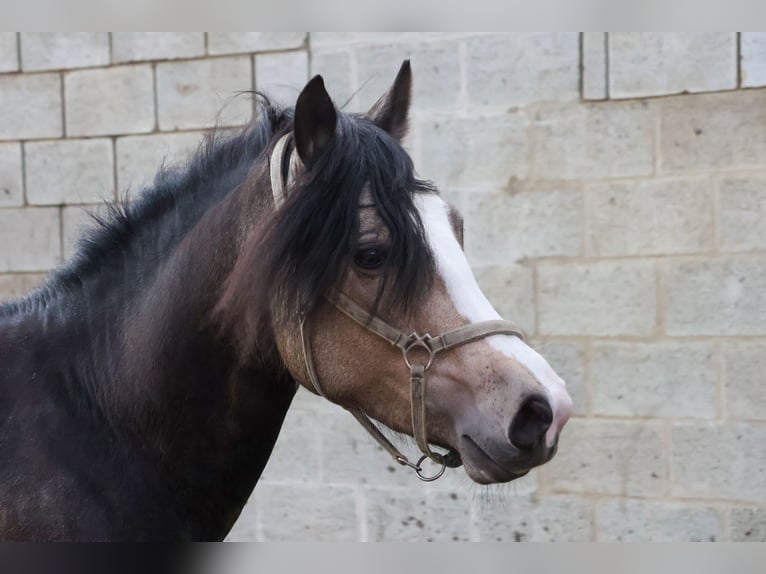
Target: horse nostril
{"type": "Point", "coordinates": [531, 423]}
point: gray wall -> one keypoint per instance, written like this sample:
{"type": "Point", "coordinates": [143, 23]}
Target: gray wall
{"type": "Point", "coordinates": [622, 225]}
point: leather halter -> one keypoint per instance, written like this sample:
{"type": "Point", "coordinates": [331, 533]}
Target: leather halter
{"type": "Point", "coordinates": [399, 339]}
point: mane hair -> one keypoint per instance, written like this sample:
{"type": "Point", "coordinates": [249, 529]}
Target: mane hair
{"type": "Point", "coordinates": [122, 230]}
{"type": "Point", "coordinates": [219, 164]}
{"type": "Point", "coordinates": [308, 243]}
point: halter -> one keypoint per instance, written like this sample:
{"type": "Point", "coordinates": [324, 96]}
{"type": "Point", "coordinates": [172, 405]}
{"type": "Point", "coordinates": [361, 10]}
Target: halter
{"type": "Point", "coordinates": [399, 339]}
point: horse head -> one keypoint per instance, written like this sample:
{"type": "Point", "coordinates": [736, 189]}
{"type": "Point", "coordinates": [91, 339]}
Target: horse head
{"type": "Point", "coordinates": [373, 304]}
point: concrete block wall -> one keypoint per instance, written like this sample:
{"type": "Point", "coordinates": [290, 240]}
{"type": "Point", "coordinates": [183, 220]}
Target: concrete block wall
{"type": "Point", "coordinates": [614, 192]}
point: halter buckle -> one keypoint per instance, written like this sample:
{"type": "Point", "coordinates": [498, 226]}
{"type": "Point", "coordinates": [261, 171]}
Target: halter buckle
{"type": "Point", "coordinates": [401, 459]}
{"type": "Point", "coordinates": [419, 469]}
{"type": "Point", "coordinates": [418, 341]}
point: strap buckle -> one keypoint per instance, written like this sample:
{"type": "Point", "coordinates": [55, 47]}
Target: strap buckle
{"type": "Point", "coordinates": [401, 459]}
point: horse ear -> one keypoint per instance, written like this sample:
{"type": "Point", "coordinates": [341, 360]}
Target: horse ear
{"type": "Point", "coordinates": [390, 112]}
{"type": "Point", "coordinates": [315, 121]}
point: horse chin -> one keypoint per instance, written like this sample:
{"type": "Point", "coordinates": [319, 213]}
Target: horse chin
{"type": "Point", "coordinates": [483, 468]}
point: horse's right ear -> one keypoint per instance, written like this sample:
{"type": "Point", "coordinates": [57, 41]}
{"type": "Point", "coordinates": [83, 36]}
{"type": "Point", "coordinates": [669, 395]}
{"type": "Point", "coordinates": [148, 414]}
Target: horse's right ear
{"type": "Point", "coordinates": [315, 121]}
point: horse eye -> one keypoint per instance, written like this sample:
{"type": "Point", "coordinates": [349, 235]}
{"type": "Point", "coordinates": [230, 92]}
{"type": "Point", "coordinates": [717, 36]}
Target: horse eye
{"type": "Point", "coordinates": [370, 258]}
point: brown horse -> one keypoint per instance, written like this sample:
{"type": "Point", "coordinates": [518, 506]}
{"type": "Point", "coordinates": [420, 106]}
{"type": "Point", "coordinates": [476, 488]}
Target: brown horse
{"type": "Point", "coordinates": [143, 386]}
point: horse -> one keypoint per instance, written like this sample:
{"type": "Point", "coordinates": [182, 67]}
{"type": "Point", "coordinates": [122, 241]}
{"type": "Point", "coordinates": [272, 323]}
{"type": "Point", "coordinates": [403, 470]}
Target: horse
{"type": "Point", "coordinates": [144, 384]}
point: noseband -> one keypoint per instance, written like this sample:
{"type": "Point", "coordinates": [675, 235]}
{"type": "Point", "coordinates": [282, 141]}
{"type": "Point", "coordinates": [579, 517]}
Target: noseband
{"type": "Point", "coordinates": [412, 346]}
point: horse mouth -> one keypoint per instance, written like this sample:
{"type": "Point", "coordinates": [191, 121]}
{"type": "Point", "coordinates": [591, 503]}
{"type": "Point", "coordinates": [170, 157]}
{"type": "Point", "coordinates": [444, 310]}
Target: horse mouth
{"type": "Point", "coordinates": [484, 469]}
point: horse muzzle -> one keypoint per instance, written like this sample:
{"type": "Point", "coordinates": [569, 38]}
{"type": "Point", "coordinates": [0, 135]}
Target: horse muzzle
{"type": "Point", "coordinates": [513, 445]}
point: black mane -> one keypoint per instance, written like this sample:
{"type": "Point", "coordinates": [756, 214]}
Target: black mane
{"type": "Point", "coordinates": [220, 163]}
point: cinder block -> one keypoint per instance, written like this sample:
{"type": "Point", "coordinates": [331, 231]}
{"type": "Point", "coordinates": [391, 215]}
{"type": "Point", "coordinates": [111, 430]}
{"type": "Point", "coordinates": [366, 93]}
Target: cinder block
{"type": "Point", "coordinates": [282, 75]}
{"type": "Point", "coordinates": [246, 528]}
{"type": "Point", "coordinates": [435, 70]}
{"type": "Point", "coordinates": [296, 454]}
{"type": "Point", "coordinates": [335, 69]}
{"type": "Point", "coordinates": [69, 171]}
{"type": "Point", "coordinates": [609, 457]}
{"type": "Point", "coordinates": [9, 55]}
{"type": "Point", "coordinates": [397, 516]}
{"type": "Point", "coordinates": [661, 63]}
{"type": "Point", "coordinates": [549, 518]}
{"type": "Point", "coordinates": [745, 379]}
{"type": "Point", "coordinates": [319, 39]}
{"type": "Point", "coordinates": [349, 455]}
{"type": "Point", "coordinates": [649, 217]}
{"type": "Point", "coordinates": [621, 520]}
{"type": "Point", "coordinates": [474, 152]}
{"type": "Point", "coordinates": [29, 239]}
{"type": "Point", "coordinates": [239, 42]}
{"type": "Point", "coordinates": [719, 461]}
{"type": "Point", "coordinates": [715, 296]}
{"type": "Point", "coordinates": [502, 227]}
{"type": "Point", "coordinates": [594, 65]}
{"type": "Point", "coordinates": [30, 106]}
{"type": "Point", "coordinates": [521, 68]}
{"type": "Point", "coordinates": [140, 157]}
{"type": "Point", "coordinates": [710, 131]}
{"type": "Point", "coordinates": [667, 379]}
{"type": "Point", "coordinates": [511, 290]}
{"type": "Point", "coordinates": [110, 101]}
{"type": "Point", "coordinates": [340, 38]}
{"type": "Point", "coordinates": [415, 515]}
{"type": "Point", "coordinates": [753, 62]}
{"type": "Point", "coordinates": [61, 50]}
{"type": "Point", "coordinates": [457, 200]}
{"type": "Point", "coordinates": [742, 213]}
{"type": "Point", "coordinates": [602, 299]}
{"type": "Point", "coordinates": [568, 360]}
{"type": "Point", "coordinates": [137, 46]}
{"type": "Point", "coordinates": [608, 139]}
{"type": "Point", "coordinates": [747, 524]}
{"type": "Point", "coordinates": [203, 93]}
{"type": "Point", "coordinates": [307, 513]}
{"type": "Point", "coordinates": [13, 286]}
{"type": "Point", "coordinates": [448, 516]}
{"type": "Point", "coordinates": [11, 183]}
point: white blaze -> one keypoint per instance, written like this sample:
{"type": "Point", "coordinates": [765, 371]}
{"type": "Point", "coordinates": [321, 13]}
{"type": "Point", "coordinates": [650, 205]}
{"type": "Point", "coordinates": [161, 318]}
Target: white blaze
{"type": "Point", "coordinates": [472, 304]}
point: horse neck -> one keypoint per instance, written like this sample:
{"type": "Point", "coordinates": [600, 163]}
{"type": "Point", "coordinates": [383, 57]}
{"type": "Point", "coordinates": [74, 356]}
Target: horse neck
{"type": "Point", "coordinates": [208, 418]}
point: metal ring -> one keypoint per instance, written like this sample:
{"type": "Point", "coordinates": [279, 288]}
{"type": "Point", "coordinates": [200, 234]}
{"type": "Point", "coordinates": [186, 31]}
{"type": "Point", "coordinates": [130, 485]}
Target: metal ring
{"type": "Point", "coordinates": [419, 469]}
{"type": "Point", "coordinates": [419, 342]}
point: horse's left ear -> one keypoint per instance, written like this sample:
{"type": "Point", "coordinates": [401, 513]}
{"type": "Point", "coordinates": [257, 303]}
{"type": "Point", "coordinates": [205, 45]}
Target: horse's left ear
{"type": "Point", "coordinates": [391, 111]}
